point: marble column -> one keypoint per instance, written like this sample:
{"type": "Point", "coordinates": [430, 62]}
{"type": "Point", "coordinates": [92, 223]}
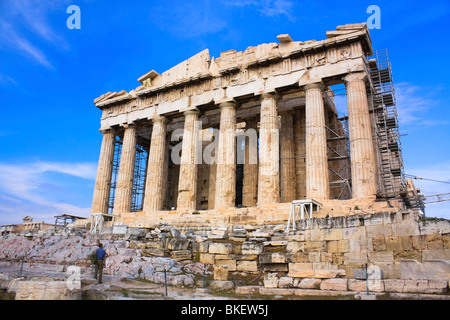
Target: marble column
{"type": "Point", "coordinates": [363, 161]}
{"type": "Point", "coordinates": [187, 184]}
{"type": "Point", "coordinates": [102, 189]}
{"type": "Point", "coordinates": [124, 189]}
{"type": "Point", "coordinates": [154, 185]}
{"type": "Point", "coordinates": [226, 158]}
{"type": "Point", "coordinates": [250, 181]}
{"type": "Point", "coordinates": [269, 152]}
{"type": "Point", "coordinates": [317, 181]}
{"type": "Point", "coordinates": [287, 157]}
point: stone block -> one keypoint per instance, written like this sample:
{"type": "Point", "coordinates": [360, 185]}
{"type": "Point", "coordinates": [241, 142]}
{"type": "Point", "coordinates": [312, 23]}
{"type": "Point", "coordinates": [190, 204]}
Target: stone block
{"type": "Point", "coordinates": [295, 246]}
{"type": "Point", "coordinates": [207, 258]}
{"type": "Point", "coordinates": [252, 248]}
{"type": "Point", "coordinates": [429, 227]}
{"type": "Point", "coordinates": [434, 242]}
{"type": "Point", "coordinates": [440, 254]}
{"type": "Point", "coordinates": [430, 269]}
{"type": "Point", "coordinates": [203, 247]}
{"type": "Point", "coordinates": [229, 264]}
{"type": "Point", "coordinates": [220, 273]}
{"type": "Point", "coordinates": [248, 290]}
{"type": "Point", "coordinates": [379, 244]}
{"type": "Point", "coordinates": [298, 257]}
{"type": "Point", "coordinates": [155, 252]}
{"type": "Point", "coordinates": [393, 243]}
{"type": "Point", "coordinates": [220, 248]}
{"type": "Point", "coordinates": [394, 285]}
{"type": "Point", "coordinates": [248, 266]}
{"type": "Point", "coordinates": [415, 286]}
{"type": "Point", "coordinates": [137, 244]}
{"type": "Point", "coordinates": [381, 257]}
{"type": "Point", "coordinates": [295, 266]}
{"type": "Point", "coordinates": [380, 230]}
{"type": "Point", "coordinates": [307, 273]}
{"type": "Point", "coordinates": [155, 244]}
{"type": "Point", "coordinates": [275, 267]}
{"type": "Point", "coordinates": [357, 285]}
{"type": "Point", "coordinates": [315, 246]}
{"type": "Point", "coordinates": [331, 234]}
{"type": "Point", "coordinates": [277, 291]}
{"type": "Point", "coordinates": [308, 283]}
{"type": "Point", "coordinates": [437, 286]}
{"type": "Point", "coordinates": [272, 257]}
{"type": "Point", "coordinates": [338, 246]}
{"type": "Point", "coordinates": [181, 255]}
{"type": "Point", "coordinates": [177, 244]}
{"type": "Point", "coordinates": [334, 284]}
{"type": "Point", "coordinates": [285, 282]}
{"type": "Point", "coordinates": [328, 273]}
{"type": "Point", "coordinates": [405, 228]}
{"type": "Point", "coordinates": [46, 290]}
{"type": "Point", "coordinates": [221, 285]}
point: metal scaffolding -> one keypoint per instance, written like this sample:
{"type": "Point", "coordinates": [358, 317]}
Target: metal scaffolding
{"type": "Point", "coordinates": [115, 171]}
{"type": "Point", "coordinates": [338, 146]}
{"type": "Point", "coordinates": [391, 177]}
{"type": "Point", "coordinates": [140, 173]}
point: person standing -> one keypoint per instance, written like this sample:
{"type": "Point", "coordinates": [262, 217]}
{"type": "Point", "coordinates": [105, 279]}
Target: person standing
{"type": "Point", "coordinates": [100, 264]}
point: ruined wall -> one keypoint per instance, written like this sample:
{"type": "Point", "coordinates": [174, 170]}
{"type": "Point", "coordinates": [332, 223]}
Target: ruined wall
{"type": "Point", "coordinates": [411, 254]}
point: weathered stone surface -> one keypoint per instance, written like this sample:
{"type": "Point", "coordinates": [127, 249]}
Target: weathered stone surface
{"type": "Point", "coordinates": [220, 248]}
{"type": "Point", "coordinates": [221, 285]}
{"type": "Point", "coordinates": [46, 290]}
{"type": "Point", "coordinates": [181, 255]}
{"type": "Point", "coordinates": [334, 284]}
{"type": "Point", "coordinates": [252, 248]}
{"type": "Point", "coordinates": [308, 283]}
{"type": "Point", "coordinates": [251, 266]}
{"type": "Point", "coordinates": [220, 273]}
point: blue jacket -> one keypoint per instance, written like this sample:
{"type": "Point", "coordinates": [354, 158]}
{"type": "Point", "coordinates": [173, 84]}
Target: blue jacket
{"type": "Point", "coordinates": [101, 253]}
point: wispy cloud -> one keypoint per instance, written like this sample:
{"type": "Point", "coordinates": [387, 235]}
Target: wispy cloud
{"type": "Point", "coordinates": [28, 186]}
{"type": "Point", "coordinates": [26, 30]}
{"type": "Point", "coordinates": [413, 104]}
{"type": "Point", "coordinates": [268, 8]}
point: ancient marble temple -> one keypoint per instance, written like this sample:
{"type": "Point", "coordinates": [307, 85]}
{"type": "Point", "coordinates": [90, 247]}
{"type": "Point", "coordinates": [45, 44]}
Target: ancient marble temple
{"type": "Point", "coordinates": [250, 129]}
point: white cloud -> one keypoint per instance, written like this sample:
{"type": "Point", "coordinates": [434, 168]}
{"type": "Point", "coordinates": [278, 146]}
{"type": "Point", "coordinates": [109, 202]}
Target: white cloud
{"type": "Point", "coordinates": [27, 189]}
{"type": "Point", "coordinates": [413, 103]}
{"type": "Point", "coordinates": [268, 8]}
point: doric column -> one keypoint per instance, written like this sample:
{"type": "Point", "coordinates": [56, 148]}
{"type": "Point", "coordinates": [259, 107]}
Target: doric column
{"type": "Point", "coordinates": [317, 183]}
{"type": "Point", "coordinates": [250, 181]}
{"type": "Point", "coordinates": [269, 152]}
{"type": "Point", "coordinates": [187, 184]}
{"type": "Point", "coordinates": [363, 162]}
{"type": "Point", "coordinates": [154, 192]}
{"type": "Point", "coordinates": [124, 189]}
{"type": "Point", "coordinates": [287, 157]}
{"type": "Point", "coordinates": [226, 158]}
{"type": "Point", "coordinates": [102, 189]}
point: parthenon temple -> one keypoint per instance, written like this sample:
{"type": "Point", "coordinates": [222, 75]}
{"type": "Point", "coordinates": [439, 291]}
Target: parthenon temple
{"type": "Point", "coordinates": [238, 138]}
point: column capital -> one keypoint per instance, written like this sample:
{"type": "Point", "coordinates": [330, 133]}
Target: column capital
{"type": "Point", "coordinates": [128, 125]}
{"type": "Point", "coordinates": [106, 130]}
{"type": "Point", "coordinates": [270, 95]}
{"type": "Point", "coordinates": [355, 76]}
{"type": "Point", "coordinates": [191, 112]}
{"type": "Point", "coordinates": [159, 119]}
{"type": "Point", "coordinates": [316, 85]}
{"type": "Point", "coordinates": [227, 104]}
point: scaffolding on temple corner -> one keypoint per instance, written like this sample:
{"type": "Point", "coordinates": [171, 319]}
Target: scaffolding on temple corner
{"type": "Point", "coordinates": [391, 177]}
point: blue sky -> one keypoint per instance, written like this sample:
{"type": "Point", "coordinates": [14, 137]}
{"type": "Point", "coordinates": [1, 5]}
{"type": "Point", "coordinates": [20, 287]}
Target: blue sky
{"type": "Point", "coordinates": [50, 75]}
